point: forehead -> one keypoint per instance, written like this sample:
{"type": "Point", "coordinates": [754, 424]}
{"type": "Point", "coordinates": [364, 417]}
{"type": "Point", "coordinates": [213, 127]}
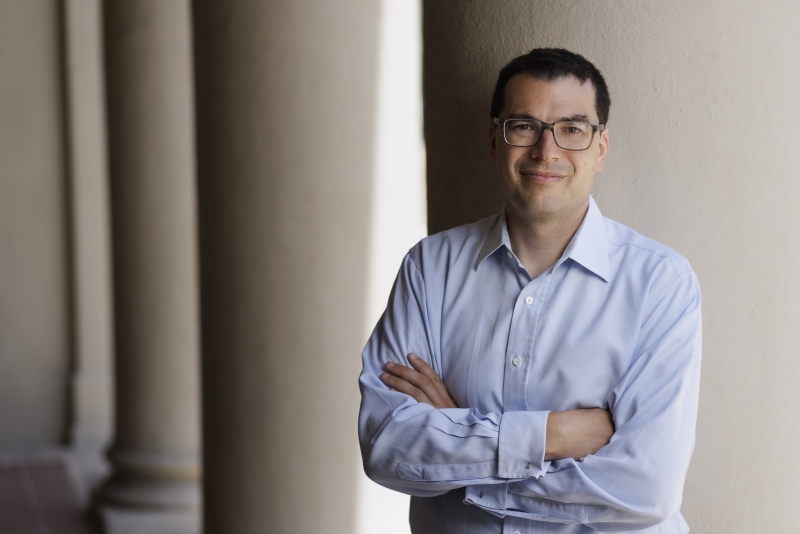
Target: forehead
{"type": "Point", "coordinates": [549, 100]}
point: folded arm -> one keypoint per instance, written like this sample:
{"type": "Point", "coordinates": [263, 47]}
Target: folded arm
{"type": "Point", "coordinates": [569, 434]}
{"type": "Point", "coordinates": [630, 484]}
{"type": "Point", "coordinates": [420, 450]}
{"type": "Point", "coordinates": [416, 440]}
{"type": "Point", "coordinates": [636, 481]}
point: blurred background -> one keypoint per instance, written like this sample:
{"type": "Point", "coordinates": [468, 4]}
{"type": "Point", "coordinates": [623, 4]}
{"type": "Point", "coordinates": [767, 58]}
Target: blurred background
{"type": "Point", "coordinates": [203, 205]}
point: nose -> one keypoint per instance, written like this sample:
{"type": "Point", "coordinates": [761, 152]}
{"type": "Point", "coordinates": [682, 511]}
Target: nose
{"type": "Point", "coordinates": [546, 148]}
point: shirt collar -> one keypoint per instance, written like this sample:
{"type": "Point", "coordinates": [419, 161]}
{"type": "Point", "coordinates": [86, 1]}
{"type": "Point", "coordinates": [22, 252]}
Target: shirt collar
{"type": "Point", "coordinates": [589, 245]}
{"type": "Point", "coordinates": [498, 237]}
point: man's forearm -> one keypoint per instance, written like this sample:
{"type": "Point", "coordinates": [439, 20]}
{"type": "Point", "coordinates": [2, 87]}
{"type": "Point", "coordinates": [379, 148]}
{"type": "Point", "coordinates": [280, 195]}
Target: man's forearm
{"type": "Point", "coordinates": [570, 434]}
{"type": "Point", "coordinates": [577, 433]}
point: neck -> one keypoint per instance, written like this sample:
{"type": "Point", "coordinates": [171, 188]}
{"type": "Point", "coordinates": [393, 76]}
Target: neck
{"type": "Point", "coordinates": [539, 242]}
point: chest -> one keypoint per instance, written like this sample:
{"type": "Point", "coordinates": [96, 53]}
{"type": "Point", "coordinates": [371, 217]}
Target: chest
{"type": "Point", "coordinates": [561, 341]}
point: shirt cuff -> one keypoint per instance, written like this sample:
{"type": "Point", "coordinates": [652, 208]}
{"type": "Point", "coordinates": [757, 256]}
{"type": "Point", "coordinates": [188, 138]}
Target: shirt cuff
{"type": "Point", "coordinates": [522, 445]}
{"type": "Point", "coordinates": [490, 497]}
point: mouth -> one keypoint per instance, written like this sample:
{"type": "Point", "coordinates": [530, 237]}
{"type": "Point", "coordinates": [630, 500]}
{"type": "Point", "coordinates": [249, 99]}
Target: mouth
{"type": "Point", "coordinates": [544, 177]}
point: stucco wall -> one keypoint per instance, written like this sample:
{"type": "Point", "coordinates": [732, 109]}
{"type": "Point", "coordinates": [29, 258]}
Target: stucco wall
{"type": "Point", "coordinates": [703, 157]}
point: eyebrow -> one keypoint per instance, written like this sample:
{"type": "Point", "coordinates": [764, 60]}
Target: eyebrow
{"type": "Point", "coordinates": [572, 118]}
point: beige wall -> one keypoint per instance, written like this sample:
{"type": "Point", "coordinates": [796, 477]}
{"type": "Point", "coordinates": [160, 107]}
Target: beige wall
{"type": "Point", "coordinates": [33, 274]}
{"type": "Point", "coordinates": [398, 208]}
{"type": "Point", "coordinates": [703, 157]}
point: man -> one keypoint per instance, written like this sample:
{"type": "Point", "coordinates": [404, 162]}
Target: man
{"type": "Point", "coordinates": [538, 371]}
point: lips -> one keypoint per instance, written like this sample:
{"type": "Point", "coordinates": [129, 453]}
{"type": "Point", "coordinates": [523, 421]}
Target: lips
{"type": "Point", "coordinates": [542, 176]}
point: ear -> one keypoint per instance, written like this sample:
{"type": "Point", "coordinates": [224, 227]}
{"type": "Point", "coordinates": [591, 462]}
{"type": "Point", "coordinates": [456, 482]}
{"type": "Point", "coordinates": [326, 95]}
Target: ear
{"type": "Point", "coordinates": [493, 141]}
{"type": "Point", "coordinates": [602, 150]}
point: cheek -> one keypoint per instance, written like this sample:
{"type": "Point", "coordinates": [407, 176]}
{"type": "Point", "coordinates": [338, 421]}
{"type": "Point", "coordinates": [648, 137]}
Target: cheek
{"type": "Point", "coordinates": [585, 167]}
{"type": "Point", "coordinates": [506, 163]}
{"type": "Point", "coordinates": [583, 179]}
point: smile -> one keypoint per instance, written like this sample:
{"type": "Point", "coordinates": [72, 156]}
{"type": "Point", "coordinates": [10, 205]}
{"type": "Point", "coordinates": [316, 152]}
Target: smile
{"type": "Point", "coordinates": [542, 177]}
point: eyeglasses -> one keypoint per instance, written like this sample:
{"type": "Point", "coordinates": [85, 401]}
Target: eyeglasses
{"type": "Point", "coordinates": [568, 135]}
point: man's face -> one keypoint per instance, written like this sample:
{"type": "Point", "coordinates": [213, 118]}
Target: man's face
{"type": "Point", "coordinates": [545, 182]}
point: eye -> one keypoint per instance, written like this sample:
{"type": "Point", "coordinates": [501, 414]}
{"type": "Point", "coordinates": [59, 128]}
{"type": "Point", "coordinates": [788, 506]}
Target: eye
{"type": "Point", "coordinates": [521, 126]}
{"type": "Point", "coordinates": [573, 128]}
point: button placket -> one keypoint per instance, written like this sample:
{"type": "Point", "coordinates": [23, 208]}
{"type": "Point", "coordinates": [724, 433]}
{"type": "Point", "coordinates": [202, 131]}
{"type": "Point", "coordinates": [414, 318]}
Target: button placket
{"type": "Point", "coordinates": [520, 342]}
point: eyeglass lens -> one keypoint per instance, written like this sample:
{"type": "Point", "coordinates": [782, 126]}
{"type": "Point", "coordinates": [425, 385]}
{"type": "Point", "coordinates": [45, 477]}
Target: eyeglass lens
{"type": "Point", "coordinates": [568, 135]}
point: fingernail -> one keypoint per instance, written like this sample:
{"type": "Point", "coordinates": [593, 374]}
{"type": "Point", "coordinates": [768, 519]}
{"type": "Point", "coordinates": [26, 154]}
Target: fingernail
{"type": "Point", "coordinates": [385, 376]}
{"type": "Point", "coordinates": [413, 357]}
{"type": "Point", "coordinates": [389, 364]}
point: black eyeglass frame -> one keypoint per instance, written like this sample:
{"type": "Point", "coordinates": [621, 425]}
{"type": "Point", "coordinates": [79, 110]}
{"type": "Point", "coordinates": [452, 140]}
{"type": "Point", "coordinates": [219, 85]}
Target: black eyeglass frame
{"type": "Point", "coordinates": [548, 126]}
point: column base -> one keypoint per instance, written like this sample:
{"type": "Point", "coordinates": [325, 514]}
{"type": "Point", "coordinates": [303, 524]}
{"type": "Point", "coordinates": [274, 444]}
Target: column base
{"type": "Point", "coordinates": [117, 520]}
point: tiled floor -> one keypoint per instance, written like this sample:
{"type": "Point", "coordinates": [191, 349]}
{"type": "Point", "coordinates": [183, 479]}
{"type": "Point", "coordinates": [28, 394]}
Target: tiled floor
{"type": "Point", "coordinates": [38, 497]}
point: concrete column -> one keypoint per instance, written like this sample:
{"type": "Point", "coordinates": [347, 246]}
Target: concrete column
{"type": "Point", "coordinates": [285, 100]}
{"type": "Point", "coordinates": [92, 337]}
{"type": "Point", "coordinates": [702, 127]}
{"type": "Point", "coordinates": [91, 391]}
{"type": "Point", "coordinates": [155, 454]}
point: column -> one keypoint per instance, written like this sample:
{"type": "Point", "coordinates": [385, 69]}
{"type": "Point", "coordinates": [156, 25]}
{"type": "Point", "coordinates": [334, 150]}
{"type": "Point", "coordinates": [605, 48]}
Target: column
{"type": "Point", "coordinates": [92, 331]}
{"type": "Point", "coordinates": [703, 141]}
{"type": "Point", "coordinates": [285, 117]}
{"type": "Point", "coordinates": [155, 454]}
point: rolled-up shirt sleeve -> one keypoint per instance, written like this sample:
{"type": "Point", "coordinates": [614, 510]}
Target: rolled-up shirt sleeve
{"type": "Point", "coordinates": [419, 450]}
{"type": "Point", "coordinates": [636, 480]}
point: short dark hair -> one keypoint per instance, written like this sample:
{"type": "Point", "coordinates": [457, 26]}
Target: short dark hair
{"type": "Point", "coordinates": [552, 64]}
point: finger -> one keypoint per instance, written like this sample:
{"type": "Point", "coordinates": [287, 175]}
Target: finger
{"type": "Point", "coordinates": [403, 371]}
{"type": "Point", "coordinates": [437, 393]}
{"type": "Point", "coordinates": [426, 370]}
{"type": "Point", "coordinates": [398, 384]}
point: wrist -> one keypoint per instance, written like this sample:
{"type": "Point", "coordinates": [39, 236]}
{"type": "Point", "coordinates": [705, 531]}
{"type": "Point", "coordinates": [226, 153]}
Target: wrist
{"type": "Point", "coordinates": [553, 448]}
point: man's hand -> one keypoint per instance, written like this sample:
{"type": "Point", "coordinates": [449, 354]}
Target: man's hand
{"type": "Point", "coordinates": [577, 433]}
{"type": "Point", "coordinates": [421, 382]}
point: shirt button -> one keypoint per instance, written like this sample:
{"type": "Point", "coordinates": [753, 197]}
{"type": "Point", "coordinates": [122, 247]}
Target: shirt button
{"type": "Point", "coordinates": [509, 254]}
{"type": "Point", "coordinates": [528, 300]}
{"type": "Point", "coordinates": [516, 532]}
{"type": "Point", "coordinates": [528, 465]}
{"type": "Point", "coordinates": [516, 361]}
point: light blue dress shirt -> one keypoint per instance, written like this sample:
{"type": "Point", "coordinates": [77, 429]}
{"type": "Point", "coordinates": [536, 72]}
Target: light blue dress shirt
{"type": "Point", "coordinates": [614, 324]}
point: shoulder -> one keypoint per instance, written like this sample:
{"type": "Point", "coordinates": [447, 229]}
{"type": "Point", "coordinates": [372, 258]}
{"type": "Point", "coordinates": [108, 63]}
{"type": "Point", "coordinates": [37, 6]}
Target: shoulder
{"type": "Point", "coordinates": [627, 242]}
{"type": "Point", "coordinates": [640, 259]}
{"type": "Point", "coordinates": [456, 246]}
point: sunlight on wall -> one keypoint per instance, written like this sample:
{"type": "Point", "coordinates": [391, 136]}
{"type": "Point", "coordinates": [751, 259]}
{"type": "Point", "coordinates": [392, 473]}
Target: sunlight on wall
{"type": "Point", "coordinates": [398, 219]}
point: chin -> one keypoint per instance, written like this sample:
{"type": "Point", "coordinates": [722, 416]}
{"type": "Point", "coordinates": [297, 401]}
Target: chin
{"type": "Point", "coordinates": [541, 204]}
{"type": "Point", "coordinates": [533, 208]}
